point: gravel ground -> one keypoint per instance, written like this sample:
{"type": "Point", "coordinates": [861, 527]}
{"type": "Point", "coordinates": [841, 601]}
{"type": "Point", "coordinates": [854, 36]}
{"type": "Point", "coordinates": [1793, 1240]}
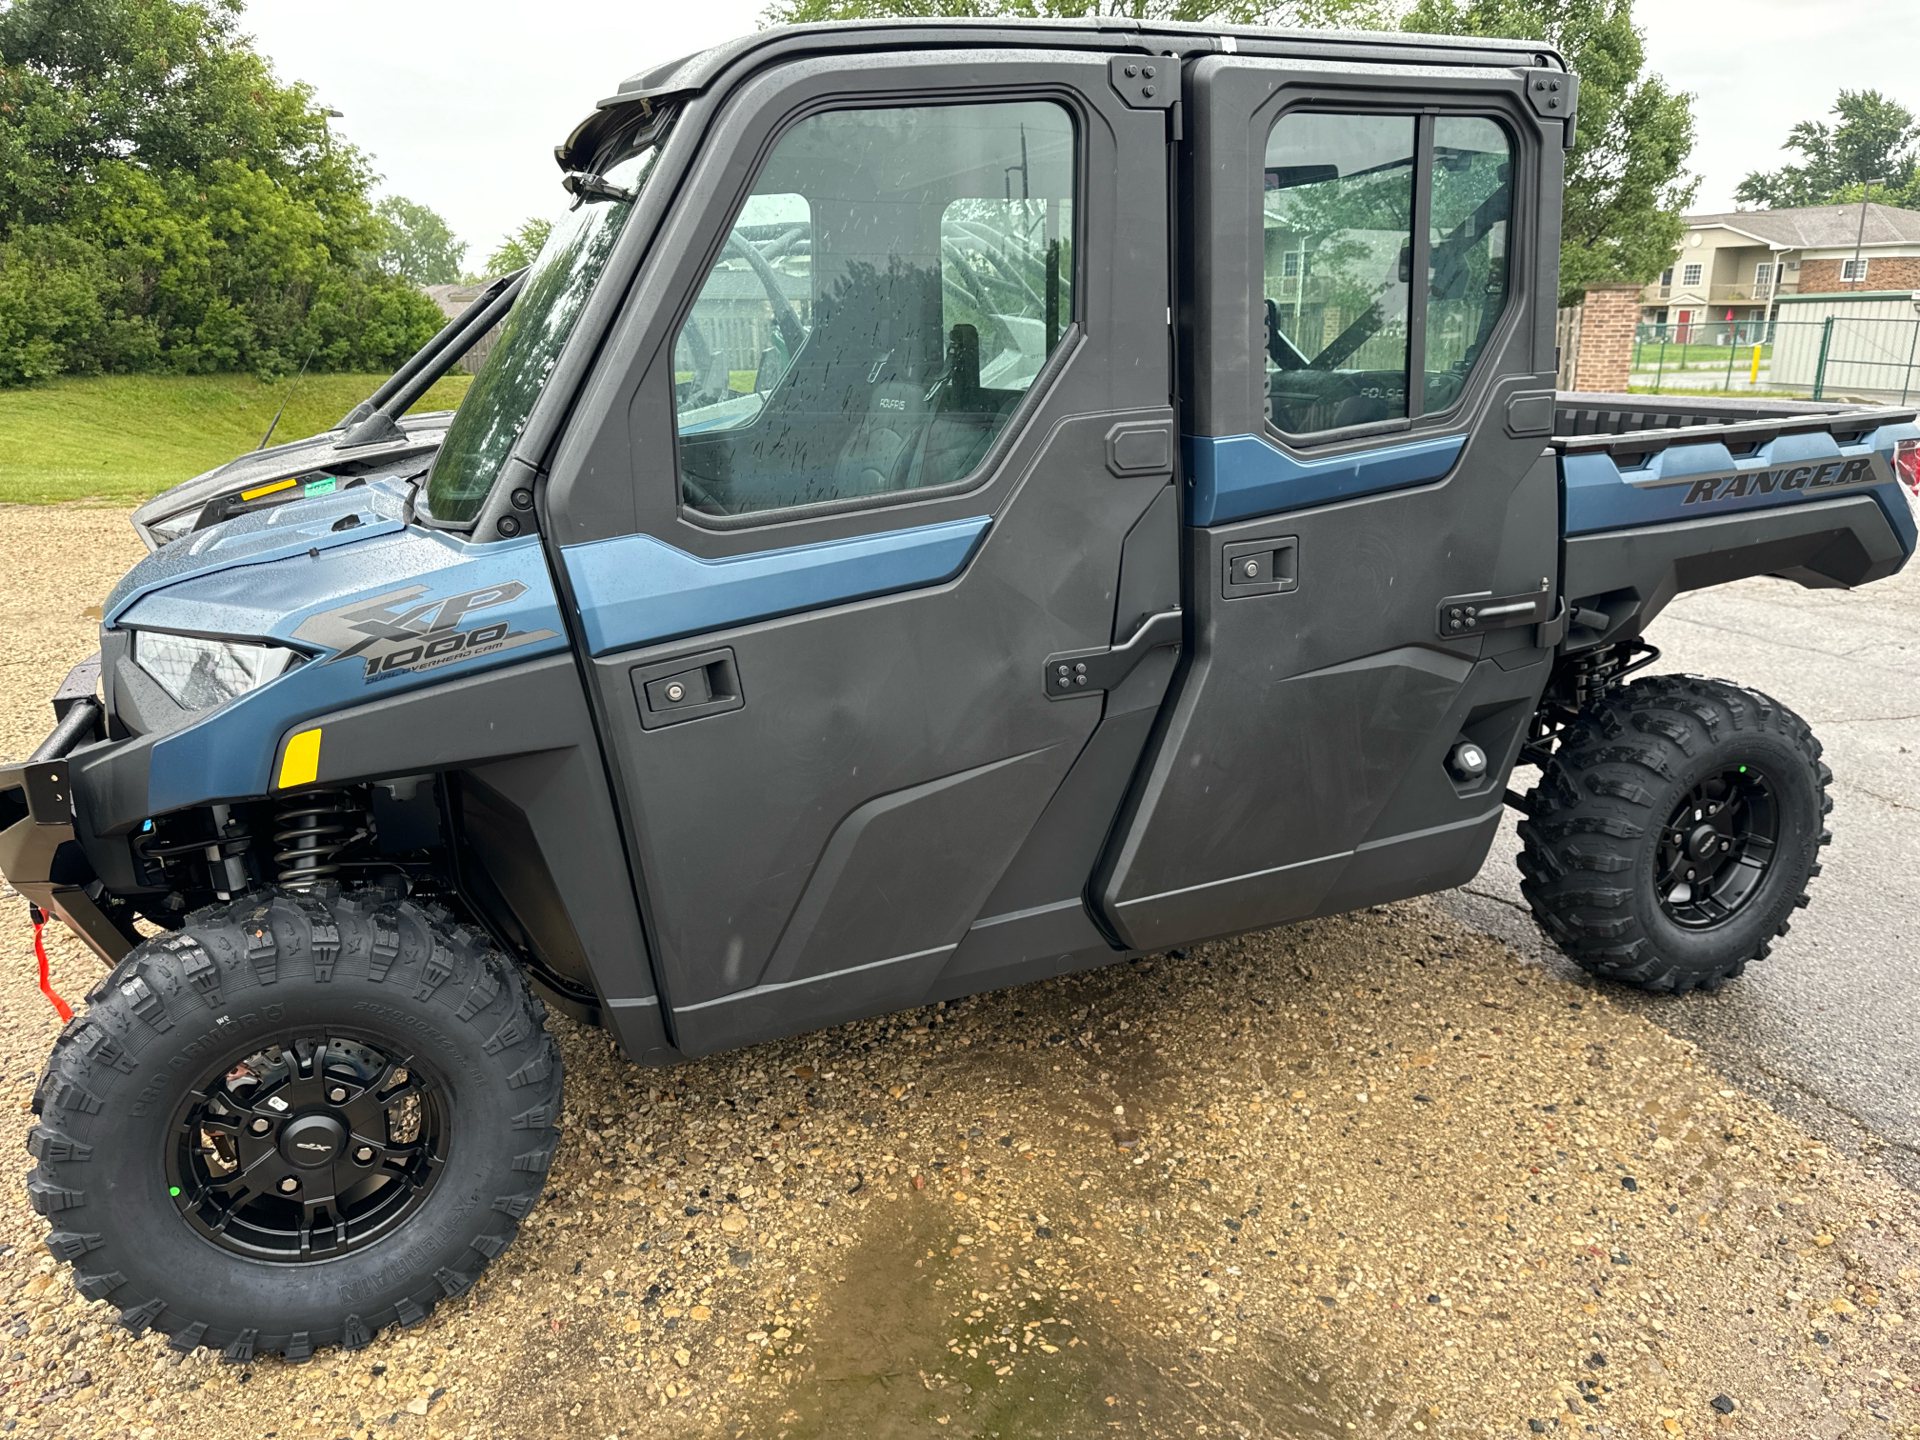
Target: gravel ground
{"type": "Point", "coordinates": [1371, 1176]}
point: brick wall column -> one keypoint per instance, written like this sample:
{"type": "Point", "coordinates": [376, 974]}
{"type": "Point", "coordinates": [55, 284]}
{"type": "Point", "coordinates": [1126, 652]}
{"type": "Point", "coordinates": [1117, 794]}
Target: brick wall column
{"type": "Point", "coordinates": [1606, 337]}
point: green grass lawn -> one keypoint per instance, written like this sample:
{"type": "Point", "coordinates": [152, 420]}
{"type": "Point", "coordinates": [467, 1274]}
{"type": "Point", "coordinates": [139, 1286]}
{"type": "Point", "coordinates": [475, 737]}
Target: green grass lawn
{"type": "Point", "coordinates": [116, 439]}
{"type": "Point", "coordinates": [1647, 354]}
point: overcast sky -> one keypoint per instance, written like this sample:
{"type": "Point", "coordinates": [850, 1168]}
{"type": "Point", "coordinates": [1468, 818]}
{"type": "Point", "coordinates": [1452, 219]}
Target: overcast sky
{"type": "Point", "coordinates": [460, 104]}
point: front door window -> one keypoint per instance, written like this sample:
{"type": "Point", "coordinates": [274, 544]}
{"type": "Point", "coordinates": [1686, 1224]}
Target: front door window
{"type": "Point", "coordinates": [885, 298]}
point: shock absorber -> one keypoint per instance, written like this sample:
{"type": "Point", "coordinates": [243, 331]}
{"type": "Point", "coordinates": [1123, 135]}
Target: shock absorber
{"type": "Point", "coordinates": [310, 831]}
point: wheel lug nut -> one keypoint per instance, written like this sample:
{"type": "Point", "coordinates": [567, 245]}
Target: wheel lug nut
{"type": "Point", "coordinates": [261, 1126]}
{"type": "Point", "coordinates": [337, 1094]}
{"type": "Point", "coordinates": [363, 1154]}
{"type": "Point", "coordinates": [289, 1185]}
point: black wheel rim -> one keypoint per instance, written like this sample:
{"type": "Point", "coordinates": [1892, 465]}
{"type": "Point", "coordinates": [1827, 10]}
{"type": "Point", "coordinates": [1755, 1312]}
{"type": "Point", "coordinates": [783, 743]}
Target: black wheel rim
{"type": "Point", "coordinates": [306, 1148]}
{"type": "Point", "coordinates": [1717, 848]}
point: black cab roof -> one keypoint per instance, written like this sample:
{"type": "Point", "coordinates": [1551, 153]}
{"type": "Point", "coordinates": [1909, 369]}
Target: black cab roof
{"type": "Point", "coordinates": [691, 74]}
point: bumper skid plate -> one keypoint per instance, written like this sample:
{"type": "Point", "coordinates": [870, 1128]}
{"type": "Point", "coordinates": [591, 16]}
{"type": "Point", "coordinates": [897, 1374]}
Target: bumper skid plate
{"type": "Point", "coordinates": [39, 855]}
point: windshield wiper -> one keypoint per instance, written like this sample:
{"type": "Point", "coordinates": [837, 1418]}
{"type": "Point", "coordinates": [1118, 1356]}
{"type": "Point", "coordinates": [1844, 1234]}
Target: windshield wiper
{"type": "Point", "coordinates": [376, 418]}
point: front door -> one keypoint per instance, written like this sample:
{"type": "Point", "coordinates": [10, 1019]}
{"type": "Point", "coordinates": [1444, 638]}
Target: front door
{"type": "Point", "coordinates": [1373, 520]}
{"type": "Point", "coordinates": [902, 460]}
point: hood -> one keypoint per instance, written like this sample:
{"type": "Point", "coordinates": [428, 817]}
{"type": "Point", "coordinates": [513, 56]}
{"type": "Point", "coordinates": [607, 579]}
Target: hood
{"type": "Point", "coordinates": [259, 537]}
{"type": "Point", "coordinates": [314, 461]}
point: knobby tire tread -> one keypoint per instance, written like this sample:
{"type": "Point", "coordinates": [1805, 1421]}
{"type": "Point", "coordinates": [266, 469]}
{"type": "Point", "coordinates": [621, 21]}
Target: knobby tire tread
{"type": "Point", "coordinates": [248, 955]}
{"type": "Point", "coordinates": [1599, 806]}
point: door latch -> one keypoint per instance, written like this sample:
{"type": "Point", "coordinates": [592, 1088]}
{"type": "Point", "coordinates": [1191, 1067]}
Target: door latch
{"type": "Point", "coordinates": [1461, 616]}
{"type": "Point", "coordinates": [687, 688]}
{"type": "Point", "coordinates": [1260, 567]}
{"type": "Point", "coordinates": [1083, 672]}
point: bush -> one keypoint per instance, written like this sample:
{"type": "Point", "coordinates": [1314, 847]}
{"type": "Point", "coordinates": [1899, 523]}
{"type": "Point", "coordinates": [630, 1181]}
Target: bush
{"type": "Point", "coordinates": [168, 204]}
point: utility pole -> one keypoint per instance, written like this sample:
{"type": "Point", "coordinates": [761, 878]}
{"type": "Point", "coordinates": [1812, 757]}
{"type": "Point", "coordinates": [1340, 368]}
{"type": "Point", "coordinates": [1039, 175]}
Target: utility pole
{"type": "Point", "coordinates": [1860, 238]}
{"type": "Point", "coordinates": [328, 113]}
{"type": "Point", "coordinates": [1773, 291]}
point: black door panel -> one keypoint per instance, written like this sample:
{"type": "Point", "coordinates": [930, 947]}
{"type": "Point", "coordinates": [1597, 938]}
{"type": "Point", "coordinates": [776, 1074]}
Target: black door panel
{"type": "Point", "coordinates": [820, 847]}
{"type": "Point", "coordinates": [888, 765]}
{"type": "Point", "coordinates": [1302, 766]}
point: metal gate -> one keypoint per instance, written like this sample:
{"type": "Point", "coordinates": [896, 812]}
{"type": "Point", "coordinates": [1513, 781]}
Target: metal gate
{"type": "Point", "coordinates": [1873, 358]}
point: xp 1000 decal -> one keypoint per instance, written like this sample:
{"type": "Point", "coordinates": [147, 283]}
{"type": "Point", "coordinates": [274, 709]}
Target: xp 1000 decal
{"type": "Point", "coordinates": [400, 633]}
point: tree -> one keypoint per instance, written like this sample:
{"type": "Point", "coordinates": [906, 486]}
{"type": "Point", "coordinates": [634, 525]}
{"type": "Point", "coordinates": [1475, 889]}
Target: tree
{"type": "Point", "coordinates": [1626, 181]}
{"type": "Point", "coordinates": [1875, 139]}
{"type": "Point", "coordinates": [519, 248]}
{"type": "Point", "coordinates": [1626, 177]}
{"type": "Point", "coordinates": [167, 203]}
{"type": "Point", "coordinates": [419, 246]}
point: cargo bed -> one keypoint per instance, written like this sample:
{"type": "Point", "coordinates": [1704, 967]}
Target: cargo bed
{"type": "Point", "coordinates": [1665, 493]}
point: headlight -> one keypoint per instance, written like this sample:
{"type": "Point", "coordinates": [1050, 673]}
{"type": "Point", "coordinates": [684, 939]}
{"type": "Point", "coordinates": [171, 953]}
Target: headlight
{"type": "Point", "coordinates": [200, 674]}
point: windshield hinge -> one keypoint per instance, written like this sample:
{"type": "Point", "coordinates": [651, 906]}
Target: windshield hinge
{"type": "Point", "coordinates": [585, 187]}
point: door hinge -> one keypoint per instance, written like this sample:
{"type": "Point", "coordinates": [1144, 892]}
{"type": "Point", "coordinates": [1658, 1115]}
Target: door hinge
{"type": "Point", "coordinates": [1146, 82]}
{"type": "Point", "coordinates": [1085, 672]}
{"type": "Point", "coordinates": [1461, 616]}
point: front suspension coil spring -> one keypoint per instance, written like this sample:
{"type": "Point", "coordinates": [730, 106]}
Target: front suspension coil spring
{"type": "Point", "coordinates": [310, 831]}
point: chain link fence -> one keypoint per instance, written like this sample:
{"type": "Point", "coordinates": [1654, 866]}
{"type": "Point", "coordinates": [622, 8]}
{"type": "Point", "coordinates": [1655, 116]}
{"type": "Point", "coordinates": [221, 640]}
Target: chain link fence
{"type": "Point", "coordinates": [1837, 357]}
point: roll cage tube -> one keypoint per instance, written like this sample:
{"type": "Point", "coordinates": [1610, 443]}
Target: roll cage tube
{"type": "Point", "coordinates": [483, 511]}
{"type": "Point", "coordinates": [434, 350]}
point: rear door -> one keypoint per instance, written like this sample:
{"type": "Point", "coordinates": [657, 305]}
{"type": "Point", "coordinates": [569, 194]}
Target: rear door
{"type": "Point", "coordinates": [1372, 519]}
{"type": "Point", "coordinates": [899, 450]}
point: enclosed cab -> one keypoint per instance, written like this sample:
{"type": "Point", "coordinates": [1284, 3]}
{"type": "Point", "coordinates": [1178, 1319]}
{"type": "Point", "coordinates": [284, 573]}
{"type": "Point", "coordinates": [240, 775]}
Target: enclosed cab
{"type": "Point", "coordinates": [952, 504]}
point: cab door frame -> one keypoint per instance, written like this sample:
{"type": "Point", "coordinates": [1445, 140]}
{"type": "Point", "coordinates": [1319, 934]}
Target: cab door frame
{"type": "Point", "coordinates": [1301, 767]}
{"type": "Point", "coordinates": [1055, 500]}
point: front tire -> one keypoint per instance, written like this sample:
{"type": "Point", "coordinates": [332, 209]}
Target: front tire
{"type": "Point", "coordinates": [299, 1119]}
{"type": "Point", "coordinates": [1673, 834]}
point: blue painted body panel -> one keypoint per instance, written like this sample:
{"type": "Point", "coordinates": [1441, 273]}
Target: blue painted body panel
{"type": "Point", "coordinates": [287, 574]}
{"type": "Point", "coordinates": [634, 589]}
{"type": "Point", "coordinates": [271, 588]}
{"type": "Point", "coordinates": [261, 538]}
{"type": "Point", "coordinates": [1685, 481]}
{"type": "Point", "coordinates": [1236, 477]}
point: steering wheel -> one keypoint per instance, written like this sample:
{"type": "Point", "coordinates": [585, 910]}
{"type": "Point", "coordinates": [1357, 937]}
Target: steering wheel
{"type": "Point", "coordinates": [792, 332]}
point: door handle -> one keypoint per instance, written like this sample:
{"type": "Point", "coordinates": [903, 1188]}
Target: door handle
{"type": "Point", "coordinates": [687, 688]}
{"type": "Point", "coordinates": [1083, 672]}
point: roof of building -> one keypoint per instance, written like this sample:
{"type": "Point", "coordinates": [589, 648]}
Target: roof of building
{"type": "Point", "coordinates": [1812, 226]}
{"type": "Point", "coordinates": [453, 299]}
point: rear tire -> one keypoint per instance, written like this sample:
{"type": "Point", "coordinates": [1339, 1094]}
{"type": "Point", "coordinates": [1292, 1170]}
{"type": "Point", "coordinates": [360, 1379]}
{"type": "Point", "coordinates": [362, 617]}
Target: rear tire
{"type": "Point", "coordinates": [1673, 834]}
{"type": "Point", "coordinates": [299, 1119]}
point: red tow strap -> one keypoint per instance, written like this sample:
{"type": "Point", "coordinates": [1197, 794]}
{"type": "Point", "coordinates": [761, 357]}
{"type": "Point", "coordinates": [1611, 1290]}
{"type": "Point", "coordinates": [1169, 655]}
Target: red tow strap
{"type": "Point", "coordinates": [61, 1008]}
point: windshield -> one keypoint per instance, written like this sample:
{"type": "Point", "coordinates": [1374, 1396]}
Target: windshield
{"type": "Point", "coordinates": [495, 407]}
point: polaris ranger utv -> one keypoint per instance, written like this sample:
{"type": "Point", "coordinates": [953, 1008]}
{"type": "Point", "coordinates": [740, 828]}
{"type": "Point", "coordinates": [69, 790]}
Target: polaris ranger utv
{"type": "Point", "coordinates": [955, 504]}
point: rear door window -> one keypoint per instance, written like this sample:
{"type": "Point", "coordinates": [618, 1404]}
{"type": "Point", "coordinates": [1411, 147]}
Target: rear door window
{"type": "Point", "coordinates": [1352, 206]}
{"type": "Point", "coordinates": [1338, 222]}
{"type": "Point", "coordinates": [1468, 245]}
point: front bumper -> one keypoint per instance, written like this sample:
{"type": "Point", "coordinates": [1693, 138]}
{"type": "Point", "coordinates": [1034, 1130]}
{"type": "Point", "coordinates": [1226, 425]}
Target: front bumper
{"type": "Point", "coordinates": [39, 854]}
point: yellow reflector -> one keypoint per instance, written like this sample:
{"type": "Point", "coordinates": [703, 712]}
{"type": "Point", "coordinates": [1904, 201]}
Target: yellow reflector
{"type": "Point", "coordinates": [259, 490]}
{"type": "Point", "coordinates": [300, 765]}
